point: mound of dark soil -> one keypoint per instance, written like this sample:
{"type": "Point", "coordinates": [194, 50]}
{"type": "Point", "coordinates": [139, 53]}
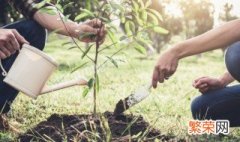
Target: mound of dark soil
{"type": "Point", "coordinates": [119, 128]}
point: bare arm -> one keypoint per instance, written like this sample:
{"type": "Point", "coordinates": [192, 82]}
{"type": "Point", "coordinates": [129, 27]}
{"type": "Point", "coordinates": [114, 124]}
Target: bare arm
{"type": "Point", "coordinates": [54, 22]}
{"type": "Point", "coordinates": [226, 79]}
{"type": "Point", "coordinates": [213, 39]}
{"type": "Point", "coordinates": [216, 38]}
{"type": "Point", "coordinates": [67, 27]}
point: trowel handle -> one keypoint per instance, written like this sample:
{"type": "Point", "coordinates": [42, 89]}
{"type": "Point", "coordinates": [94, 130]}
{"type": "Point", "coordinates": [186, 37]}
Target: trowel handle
{"type": "Point", "coordinates": [64, 85]}
{"type": "Point", "coordinates": [4, 72]}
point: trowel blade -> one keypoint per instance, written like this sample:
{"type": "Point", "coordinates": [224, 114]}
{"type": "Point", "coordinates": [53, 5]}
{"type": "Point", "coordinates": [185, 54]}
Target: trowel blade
{"type": "Point", "coordinates": [131, 100]}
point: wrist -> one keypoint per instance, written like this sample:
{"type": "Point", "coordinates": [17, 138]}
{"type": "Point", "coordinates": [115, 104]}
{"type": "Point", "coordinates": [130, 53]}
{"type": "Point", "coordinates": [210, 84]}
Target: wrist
{"type": "Point", "coordinates": [177, 50]}
{"type": "Point", "coordinates": [223, 82]}
{"type": "Point", "coordinates": [72, 29]}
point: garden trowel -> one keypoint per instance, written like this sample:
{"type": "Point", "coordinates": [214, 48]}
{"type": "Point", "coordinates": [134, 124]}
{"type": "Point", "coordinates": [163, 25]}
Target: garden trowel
{"type": "Point", "coordinates": [139, 95]}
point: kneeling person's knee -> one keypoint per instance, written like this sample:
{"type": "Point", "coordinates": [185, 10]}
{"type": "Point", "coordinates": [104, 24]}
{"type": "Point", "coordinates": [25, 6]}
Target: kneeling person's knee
{"type": "Point", "coordinates": [198, 108]}
{"type": "Point", "coordinates": [232, 60]}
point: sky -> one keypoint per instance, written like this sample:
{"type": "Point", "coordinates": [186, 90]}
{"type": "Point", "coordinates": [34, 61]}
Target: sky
{"type": "Point", "coordinates": [236, 3]}
{"type": "Point", "coordinates": [218, 7]}
{"type": "Point", "coordinates": [218, 4]}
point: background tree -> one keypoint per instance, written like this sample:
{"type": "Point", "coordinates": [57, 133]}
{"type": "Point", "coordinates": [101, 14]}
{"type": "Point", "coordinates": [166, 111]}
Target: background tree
{"type": "Point", "coordinates": [171, 22]}
{"type": "Point", "coordinates": [197, 15]}
{"type": "Point", "coordinates": [226, 14]}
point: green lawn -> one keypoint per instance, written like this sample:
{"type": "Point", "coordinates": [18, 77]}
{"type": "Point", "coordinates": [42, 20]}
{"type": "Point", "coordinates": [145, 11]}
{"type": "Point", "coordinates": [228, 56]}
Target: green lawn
{"type": "Point", "coordinates": [167, 108]}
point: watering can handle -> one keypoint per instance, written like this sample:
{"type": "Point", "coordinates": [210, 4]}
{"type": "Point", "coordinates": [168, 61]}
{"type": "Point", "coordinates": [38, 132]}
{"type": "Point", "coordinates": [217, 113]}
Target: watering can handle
{"type": "Point", "coordinates": [4, 72]}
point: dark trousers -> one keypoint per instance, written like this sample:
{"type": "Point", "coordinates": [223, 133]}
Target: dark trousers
{"type": "Point", "coordinates": [222, 103]}
{"type": "Point", "coordinates": [36, 36]}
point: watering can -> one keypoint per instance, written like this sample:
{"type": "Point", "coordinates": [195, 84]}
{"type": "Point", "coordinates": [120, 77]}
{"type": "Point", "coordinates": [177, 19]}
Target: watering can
{"type": "Point", "coordinates": [31, 70]}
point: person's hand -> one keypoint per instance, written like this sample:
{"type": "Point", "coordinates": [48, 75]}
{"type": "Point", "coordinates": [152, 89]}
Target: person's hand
{"type": "Point", "coordinates": [165, 67]}
{"type": "Point", "coordinates": [205, 84]}
{"type": "Point", "coordinates": [10, 41]}
{"type": "Point", "coordinates": [89, 30]}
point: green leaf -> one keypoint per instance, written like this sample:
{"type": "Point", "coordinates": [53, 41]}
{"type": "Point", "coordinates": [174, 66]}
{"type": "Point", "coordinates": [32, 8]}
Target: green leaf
{"type": "Point", "coordinates": [66, 17]}
{"type": "Point", "coordinates": [122, 17]}
{"type": "Point", "coordinates": [59, 7]}
{"type": "Point", "coordinates": [159, 16]}
{"type": "Point", "coordinates": [144, 15]}
{"type": "Point", "coordinates": [85, 92]}
{"type": "Point", "coordinates": [139, 20]}
{"type": "Point", "coordinates": [91, 14]}
{"type": "Point", "coordinates": [72, 47]}
{"type": "Point", "coordinates": [68, 5]}
{"type": "Point", "coordinates": [90, 83]}
{"type": "Point", "coordinates": [116, 6]}
{"type": "Point", "coordinates": [106, 7]}
{"type": "Point", "coordinates": [148, 3]}
{"type": "Point", "coordinates": [113, 61]}
{"type": "Point", "coordinates": [140, 48]}
{"type": "Point", "coordinates": [86, 51]}
{"type": "Point", "coordinates": [81, 16]}
{"type": "Point", "coordinates": [79, 67]}
{"type": "Point", "coordinates": [123, 38]}
{"type": "Point", "coordinates": [160, 30]}
{"type": "Point", "coordinates": [143, 41]}
{"type": "Point", "coordinates": [103, 19]}
{"type": "Point", "coordinates": [112, 36]}
{"type": "Point", "coordinates": [48, 10]}
{"type": "Point", "coordinates": [66, 43]}
{"type": "Point", "coordinates": [130, 28]}
{"type": "Point", "coordinates": [154, 19]}
{"type": "Point", "coordinates": [127, 28]}
{"type": "Point", "coordinates": [40, 5]}
{"type": "Point", "coordinates": [141, 3]}
{"type": "Point", "coordinates": [135, 5]}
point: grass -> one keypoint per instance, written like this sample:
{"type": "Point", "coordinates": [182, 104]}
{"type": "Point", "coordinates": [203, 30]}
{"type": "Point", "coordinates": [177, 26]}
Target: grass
{"type": "Point", "coordinates": [167, 108]}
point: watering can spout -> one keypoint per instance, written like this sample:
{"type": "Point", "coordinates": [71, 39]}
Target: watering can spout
{"type": "Point", "coordinates": [63, 85]}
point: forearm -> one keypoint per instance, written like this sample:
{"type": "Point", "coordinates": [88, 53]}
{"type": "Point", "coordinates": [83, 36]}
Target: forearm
{"type": "Point", "coordinates": [226, 79]}
{"type": "Point", "coordinates": [55, 22]}
{"type": "Point", "coordinates": [216, 38]}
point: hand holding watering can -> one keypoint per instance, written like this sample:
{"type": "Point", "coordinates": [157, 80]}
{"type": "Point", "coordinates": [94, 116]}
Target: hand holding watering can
{"type": "Point", "coordinates": [31, 70]}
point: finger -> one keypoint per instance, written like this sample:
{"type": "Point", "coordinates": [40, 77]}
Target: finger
{"type": "Point", "coordinates": [10, 47]}
{"type": "Point", "coordinates": [5, 51]}
{"type": "Point", "coordinates": [20, 38]}
{"type": "Point", "coordinates": [204, 90]}
{"type": "Point", "coordinates": [103, 31]}
{"type": "Point", "coordinates": [161, 76]}
{"type": "Point", "coordinates": [155, 77]}
{"type": "Point", "coordinates": [167, 76]}
{"type": "Point", "coordinates": [103, 36]}
{"type": "Point", "coordinates": [204, 85]}
{"type": "Point", "coordinates": [2, 55]}
{"type": "Point", "coordinates": [102, 41]}
{"type": "Point", "coordinates": [91, 30]}
{"type": "Point", "coordinates": [202, 81]}
{"type": "Point", "coordinates": [96, 23]}
{"type": "Point", "coordinates": [196, 80]}
{"type": "Point", "coordinates": [15, 43]}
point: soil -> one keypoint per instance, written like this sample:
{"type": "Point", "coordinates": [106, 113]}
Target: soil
{"type": "Point", "coordinates": [121, 107]}
{"type": "Point", "coordinates": [103, 127]}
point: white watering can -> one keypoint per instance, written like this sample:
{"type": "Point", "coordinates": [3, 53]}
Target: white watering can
{"type": "Point", "coordinates": [31, 70]}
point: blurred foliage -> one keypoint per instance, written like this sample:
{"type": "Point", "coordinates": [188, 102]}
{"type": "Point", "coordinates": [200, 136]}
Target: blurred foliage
{"type": "Point", "coordinates": [195, 17]}
{"type": "Point", "coordinates": [198, 16]}
{"type": "Point", "coordinates": [226, 14]}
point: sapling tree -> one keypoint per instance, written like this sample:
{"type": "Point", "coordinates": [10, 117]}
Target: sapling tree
{"type": "Point", "coordinates": [136, 19]}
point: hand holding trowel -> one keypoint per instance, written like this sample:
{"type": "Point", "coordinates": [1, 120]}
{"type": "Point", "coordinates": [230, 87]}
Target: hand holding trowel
{"type": "Point", "coordinates": [139, 95]}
